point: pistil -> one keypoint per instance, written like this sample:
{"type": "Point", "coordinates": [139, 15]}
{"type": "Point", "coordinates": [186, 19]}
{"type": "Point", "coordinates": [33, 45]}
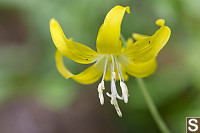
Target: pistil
{"type": "Point", "coordinates": [114, 95]}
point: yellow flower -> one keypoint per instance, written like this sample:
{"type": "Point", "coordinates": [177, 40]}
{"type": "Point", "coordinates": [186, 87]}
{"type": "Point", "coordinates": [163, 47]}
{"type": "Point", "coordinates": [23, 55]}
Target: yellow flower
{"type": "Point", "coordinates": [111, 59]}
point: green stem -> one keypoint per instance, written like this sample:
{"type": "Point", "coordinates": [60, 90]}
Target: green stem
{"type": "Point", "coordinates": [152, 107]}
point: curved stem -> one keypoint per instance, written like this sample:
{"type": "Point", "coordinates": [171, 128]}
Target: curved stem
{"type": "Point", "coordinates": [152, 107]}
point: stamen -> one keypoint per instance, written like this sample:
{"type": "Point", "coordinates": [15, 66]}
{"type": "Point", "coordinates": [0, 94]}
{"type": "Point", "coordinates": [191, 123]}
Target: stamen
{"type": "Point", "coordinates": [100, 90]}
{"type": "Point", "coordinates": [101, 86]}
{"type": "Point", "coordinates": [119, 71]}
{"type": "Point", "coordinates": [124, 91]}
{"type": "Point", "coordinates": [104, 73]}
{"type": "Point", "coordinates": [122, 84]}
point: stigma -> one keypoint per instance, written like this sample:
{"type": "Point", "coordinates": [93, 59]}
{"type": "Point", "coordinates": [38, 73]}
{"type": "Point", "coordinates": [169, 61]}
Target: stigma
{"type": "Point", "coordinates": [112, 61]}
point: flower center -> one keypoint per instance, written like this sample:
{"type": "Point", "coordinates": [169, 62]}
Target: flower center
{"type": "Point", "coordinates": [114, 94]}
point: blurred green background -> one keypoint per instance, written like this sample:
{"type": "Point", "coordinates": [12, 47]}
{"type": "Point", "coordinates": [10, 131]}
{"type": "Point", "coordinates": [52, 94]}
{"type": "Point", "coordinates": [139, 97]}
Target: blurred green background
{"type": "Point", "coordinates": [35, 98]}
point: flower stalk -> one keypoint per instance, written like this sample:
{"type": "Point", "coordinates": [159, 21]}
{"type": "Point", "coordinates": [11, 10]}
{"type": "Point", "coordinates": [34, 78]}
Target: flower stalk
{"type": "Point", "coordinates": [154, 112]}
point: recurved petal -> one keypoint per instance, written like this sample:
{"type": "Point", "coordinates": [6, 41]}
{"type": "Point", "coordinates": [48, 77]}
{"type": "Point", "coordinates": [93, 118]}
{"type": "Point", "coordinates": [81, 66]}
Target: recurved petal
{"type": "Point", "coordinates": [147, 49]}
{"type": "Point", "coordinates": [141, 69]}
{"type": "Point", "coordinates": [91, 74]}
{"type": "Point", "coordinates": [73, 50]}
{"type": "Point", "coordinates": [108, 39]}
{"type": "Point", "coordinates": [88, 76]}
{"type": "Point", "coordinates": [138, 37]}
{"type": "Point", "coordinates": [61, 66]}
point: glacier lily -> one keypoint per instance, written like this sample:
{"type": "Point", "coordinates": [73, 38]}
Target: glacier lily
{"type": "Point", "coordinates": [112, 60]}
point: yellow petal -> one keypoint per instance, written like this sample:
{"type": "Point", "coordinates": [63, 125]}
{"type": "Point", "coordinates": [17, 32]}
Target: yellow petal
{"type": "Point", "coordinates": [108, 39]}
{"type": "Point", "coordinates": [137, 36]}
{"type": "Point", "coordinates": [141, 69]}
{"type": "Point", "coordinates": [147, 49]}
{"type": "Point", "coordinates": [91, 74]}
{"type": "Point", "coordinates": [73, 50]}
{"type": "Point", "coordinates": [88, 76]}
{"type": "Point", "coordinates": [61, 67]}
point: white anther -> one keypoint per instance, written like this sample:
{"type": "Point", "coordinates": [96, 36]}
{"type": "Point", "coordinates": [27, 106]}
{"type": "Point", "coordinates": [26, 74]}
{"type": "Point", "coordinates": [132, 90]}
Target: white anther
{"type": "Point", "coordinates": [100, 90]}
{"type": "Point", "coordinates": [102, 85]}
{"type": "Point", "coordinates": [124, 91]}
